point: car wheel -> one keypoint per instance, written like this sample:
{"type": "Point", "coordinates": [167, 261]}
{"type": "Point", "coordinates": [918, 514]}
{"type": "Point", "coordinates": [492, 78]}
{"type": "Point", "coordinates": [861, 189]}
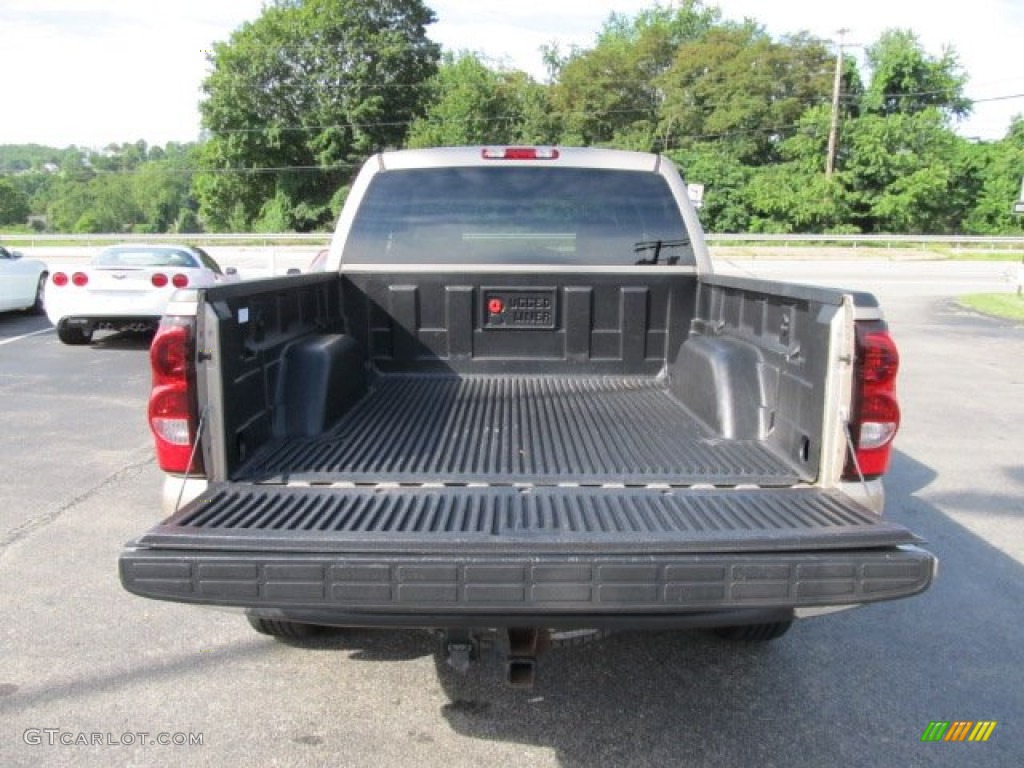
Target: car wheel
{"type": "Point", "coordinates": [286, 630]}
{"type": "Point", "coordinates": [38, 307]}
{"type": "Point", "coordinates": [73, 334]}
{"type": "Point", "coordinates": [754, 633]}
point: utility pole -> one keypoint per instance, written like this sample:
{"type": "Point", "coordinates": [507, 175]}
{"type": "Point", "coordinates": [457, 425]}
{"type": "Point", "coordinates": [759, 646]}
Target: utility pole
{"type": "Point", "coordinates": [1018, 208]}
{"type": "Point", "coordinates": [833, 132]}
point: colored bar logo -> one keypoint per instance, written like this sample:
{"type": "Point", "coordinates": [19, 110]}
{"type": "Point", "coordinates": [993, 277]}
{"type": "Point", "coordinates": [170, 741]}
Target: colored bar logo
{"type": "Point", "coordinates": [958, 730]}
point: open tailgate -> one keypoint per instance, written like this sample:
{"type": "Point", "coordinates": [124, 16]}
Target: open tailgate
{"type": "Point", "coordinates": [417, 551]}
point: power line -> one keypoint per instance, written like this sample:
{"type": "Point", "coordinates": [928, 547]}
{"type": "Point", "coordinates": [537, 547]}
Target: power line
{"type": "Point", "coordinates": [1008, 97]}
{"type": "Point", "coordinates": [260, 170]}
{"type": "Point", "coordinates": [846, 99]}
{"type": "Point", "coordinates": [671, 142]}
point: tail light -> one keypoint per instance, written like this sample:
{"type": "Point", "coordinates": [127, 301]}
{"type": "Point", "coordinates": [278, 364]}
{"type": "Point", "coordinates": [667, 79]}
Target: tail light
{"type": "Point", "coordinates": [60, 279]}
{"type": "Point", "coordinates": [180, 281]}
{"type": "Point", "coordinates": [159, 280]}
{"type": "Point", "coordinates": [875, 416]}
{"type": "Point", "coordinates": [519, 153]}
{"type": "Point", "coordinates": [172, 411]}
{"type": "Point", "coordinates": [80, 279]}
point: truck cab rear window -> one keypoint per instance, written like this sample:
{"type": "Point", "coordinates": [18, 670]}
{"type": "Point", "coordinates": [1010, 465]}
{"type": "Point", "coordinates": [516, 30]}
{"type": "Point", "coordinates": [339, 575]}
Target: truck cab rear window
{"type": "Point", "coordinates": [525, 215]}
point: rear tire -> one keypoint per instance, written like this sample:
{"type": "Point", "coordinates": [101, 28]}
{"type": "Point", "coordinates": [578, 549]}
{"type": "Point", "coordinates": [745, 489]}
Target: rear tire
{"type": "Point", "coordinates": [73, 334]}
{"type": "Point", "coordinates": [754, 633]}
{"type": "Point", "coordinates": [39, 306]}
{"type": "Point", "coordinates": [285, 630]}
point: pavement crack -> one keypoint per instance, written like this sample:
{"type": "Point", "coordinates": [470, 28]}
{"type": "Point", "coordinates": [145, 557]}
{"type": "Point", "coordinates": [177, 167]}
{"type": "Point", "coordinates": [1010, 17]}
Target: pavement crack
{"type": "Point", "coordinates": [137, 461]}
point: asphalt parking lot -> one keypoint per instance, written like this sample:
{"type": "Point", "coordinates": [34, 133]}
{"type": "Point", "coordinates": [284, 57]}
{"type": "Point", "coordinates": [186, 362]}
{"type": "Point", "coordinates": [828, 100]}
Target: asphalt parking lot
{"type": "Point", "coordinates": [82, 657]}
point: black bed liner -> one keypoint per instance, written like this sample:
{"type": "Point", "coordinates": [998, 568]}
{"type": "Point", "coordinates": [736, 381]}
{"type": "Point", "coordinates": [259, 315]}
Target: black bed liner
{"type": "Point", "coordinates": [539, 429]}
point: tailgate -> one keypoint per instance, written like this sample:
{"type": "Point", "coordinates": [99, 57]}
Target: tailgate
{"type": "Point", "coordinates": [550, 550]}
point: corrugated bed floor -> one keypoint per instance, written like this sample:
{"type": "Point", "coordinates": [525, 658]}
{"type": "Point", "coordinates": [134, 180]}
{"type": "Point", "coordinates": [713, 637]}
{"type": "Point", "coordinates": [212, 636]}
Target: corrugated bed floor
{"type": "Point", "coordinates": [542, 430]}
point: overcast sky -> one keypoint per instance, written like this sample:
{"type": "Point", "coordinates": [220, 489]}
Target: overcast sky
{"type": "Point", "coordinates": [91, 72]}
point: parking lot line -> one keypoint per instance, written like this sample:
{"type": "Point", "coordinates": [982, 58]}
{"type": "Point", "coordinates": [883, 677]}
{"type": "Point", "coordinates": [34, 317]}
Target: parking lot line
{"type": "Point", "coordinates": [24, 336]}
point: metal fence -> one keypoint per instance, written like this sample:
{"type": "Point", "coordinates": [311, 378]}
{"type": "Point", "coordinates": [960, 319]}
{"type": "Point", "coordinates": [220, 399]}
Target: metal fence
{"type": "Point", "coordinates": [254, 239]}
{"type": "Point", "coordinates": [960, 242]}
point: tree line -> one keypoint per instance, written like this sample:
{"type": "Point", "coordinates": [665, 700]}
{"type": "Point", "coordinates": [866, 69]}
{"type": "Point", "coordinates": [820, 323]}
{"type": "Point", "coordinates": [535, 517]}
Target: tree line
{"type": "Point", "coordinates": [296, 99]}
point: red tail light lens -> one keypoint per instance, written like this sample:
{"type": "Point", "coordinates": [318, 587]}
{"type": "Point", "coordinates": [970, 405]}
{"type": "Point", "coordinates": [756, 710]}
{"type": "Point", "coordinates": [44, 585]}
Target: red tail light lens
{"type": "Point", "coordinates": [876, 413]}
{"type": "Point", "coordinates": [80, 279]}
{"type": "Point", "coordinates": [172, 416]}
{"type": "Point", "coordinates": [168, 355]}
{"type": "Point", "coordinates": [60, 279]}
{"type": "Point", "coordinates": [878, 358]}
{"type": "Point", "coordinates": [180, 281]}
{"type": "Point", "coordinates": [168, 418]}
{"type": "Point", "coordinates": [158, 279]}
{"type": "Point", "coordinates": [519, 153]}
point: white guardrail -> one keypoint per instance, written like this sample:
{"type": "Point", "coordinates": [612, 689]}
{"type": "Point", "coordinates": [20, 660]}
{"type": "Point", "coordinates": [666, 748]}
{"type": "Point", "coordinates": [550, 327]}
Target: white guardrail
{"type": "Point", "coordinates": [900, 241]}
{"type": "Point", "coordinates": [256, 239]}
{"type": "Point", "coordinates": [1014, 242]}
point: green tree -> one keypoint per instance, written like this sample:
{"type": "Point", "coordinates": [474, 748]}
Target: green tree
{"type": "Point", "coordinates": [119, 158]}
{"type": "Point", "coordinates": [898, 172]}
{"type": "Point", "coordinates": [724, 178]}
{"type": "Point", "coordinates": [33, 185]}
{"type": "Point", "coordinates": [312, 86]}
{"type": "Point", "coordinates": [472, 103]}
{"type": "Point", "coordinates": [112, 206]}
{"type": "Point", "coordinates": [101, 204]}
{"type": "Point", "coordinates": [13, 204]}
{"type": "Point", "coordinates": [793, 195]}
{"type": "Point", "coordinates": [611, 93]}
{"type": "Point", "coordinates": [906, 80]}
{"type": "Point", "coordinates": [117, 189]}
{"type": "Point", "coordinates": [1000, 166]}
{"type": "Point", "coordinates": [17, 158]}
{"type": "Point", "coordinates": [160, 189]}
{"type": "Point", "coordinates": [901, 167]}
{"type": "Point", "coordinates": [738, 86]}
{"type": "Point", "coordinates": [76, 164]}
{"type": "Point", "coordinates": [67, 200]}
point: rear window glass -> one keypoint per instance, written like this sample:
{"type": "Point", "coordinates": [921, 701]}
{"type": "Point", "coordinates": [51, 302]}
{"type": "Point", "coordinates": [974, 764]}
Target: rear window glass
{"type": "Point", "coordinates": [207, 260]}
{"type": "Point", "coordinates": [527, 215]}
{"type": "Point", "coordinates": [144, 257]}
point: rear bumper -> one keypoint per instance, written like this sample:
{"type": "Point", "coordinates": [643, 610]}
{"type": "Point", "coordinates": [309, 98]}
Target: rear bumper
{"type": "Point", "coordinates": [105, 309]}
{"type": "Point", "coordinates": [424, 590]}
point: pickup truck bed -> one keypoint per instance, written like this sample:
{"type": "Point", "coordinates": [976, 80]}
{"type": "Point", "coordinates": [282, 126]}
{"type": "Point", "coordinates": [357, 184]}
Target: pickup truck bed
{"type": "Point", "coordinates": [483, 442]}
{"type": "Point", "coordinates": [437, 487]}
{"type": "Point", "coordinates": [517, 429]}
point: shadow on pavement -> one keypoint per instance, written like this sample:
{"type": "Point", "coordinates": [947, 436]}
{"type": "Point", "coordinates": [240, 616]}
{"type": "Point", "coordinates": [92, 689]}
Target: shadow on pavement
{"type": "Point", "coordinates": [855, 688]}
{"type": "Point", "coordinates": [123, 340]}
{"type": "Point", "coordinates": [369, 644]}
